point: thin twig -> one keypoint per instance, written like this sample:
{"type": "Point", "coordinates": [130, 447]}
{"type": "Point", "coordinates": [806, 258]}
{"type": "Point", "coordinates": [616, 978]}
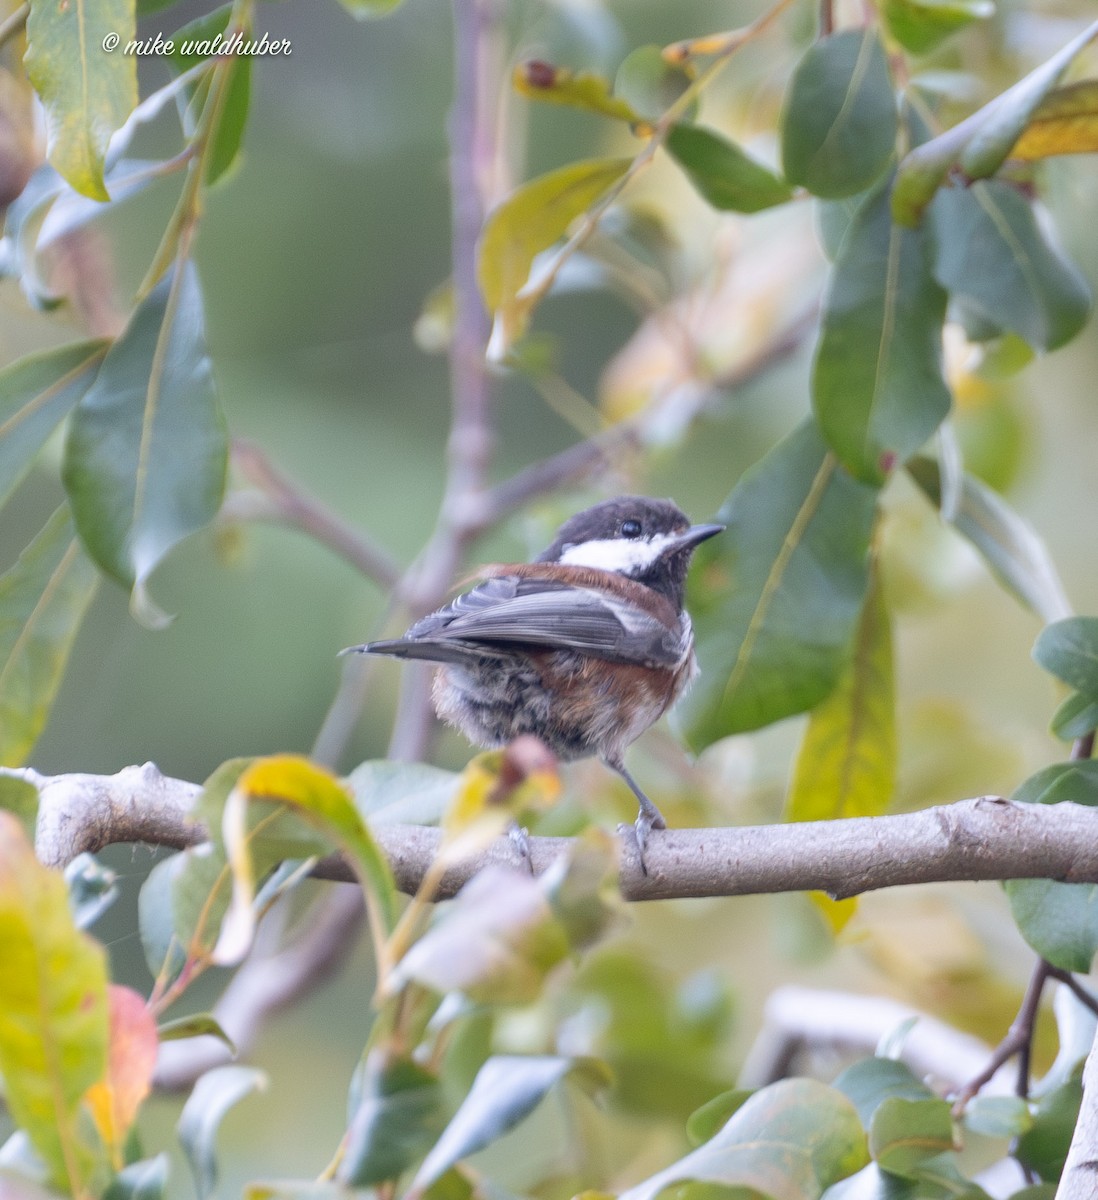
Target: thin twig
{"type": "Point", "coordinates": [1018, 1041]}
{"type": "Point", "coordinates": [472, 426]}
{"type": "Point", "coordinates": [282, 500]}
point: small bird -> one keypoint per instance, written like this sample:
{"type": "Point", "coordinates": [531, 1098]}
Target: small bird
{"type": "Point", "coordinates": [585, 647]}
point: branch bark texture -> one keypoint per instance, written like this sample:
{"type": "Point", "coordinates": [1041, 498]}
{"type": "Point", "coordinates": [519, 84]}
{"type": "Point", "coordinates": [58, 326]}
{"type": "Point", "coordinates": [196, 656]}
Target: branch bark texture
{"type": "Point", "coordinates": [985, 838]}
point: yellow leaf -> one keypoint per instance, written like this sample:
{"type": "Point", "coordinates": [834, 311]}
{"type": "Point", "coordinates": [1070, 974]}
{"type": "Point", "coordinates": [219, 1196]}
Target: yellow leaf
{"type": "Point", "coordinates": [1066, 122]}
{"type": "Point", "coordinates": [577, 89]}
{"type": "Point", "coordinates": [836, 913]}
{"type": "Point", "coordinates": [530, 220]}
{"type": "Point", "coordinates": [115, 1099]}
{"type": "Point", "coordinates": [495, 788]}
{"type": "Point", "coordinates": [846, 766]}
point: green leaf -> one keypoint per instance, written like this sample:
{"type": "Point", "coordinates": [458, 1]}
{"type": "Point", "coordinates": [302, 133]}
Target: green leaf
{"type": "Point", "coordinates": [93, 888]}
{"type": "Point", "coordinates": [1044, 1148]}
{"type": "Point", "coordinates": [317, 798]}
{"type": "Point", "coordinates": [506, 1089]}
{"type": "Point", "coordinates": [42, 601]}
{"type": "Point", "coordinates": [147, 451]}
{"type": "Point", "coordinates": [922, 25]}
{"type": "Point", "coordinates": [1066, 122]}
{"type": "Point", "coordinates": [214, 1094]}
{"type": "Point", "coordinates": [530, 220]}
{"type": "Point", "coordinates": [726, 177]}
{"type": "Point", "coordinates": [228, 85]}
{"type": "Point", "coordinates": [405, 793]}
{"type": "Point", "coordinates": [793, 1138]}
{"type": "Point", "coordinates": [990, 249]}
{"type": "Point", "coordinates": [871, 1081]}
{"type": "Point", "coordinates": [839, 124]}
{"type": "Point", "coordinates": [998, 1116]}
{"type": "Point", "coordinates": [1068, 649]}
{"type": "Point", "coordinates": [87, 92]}
{"type": "Point", "coordinates": [981, 143]}
{"type": "Point", "coordinates": [1059, 920]}
{"type": "Point", "coordinates": [365, 9]}
{"type": "Point", "coordinates": [194, 1025]}
{"type": "Point", "coordinates": [650, 85]}
{"type": "Point", "coordinates": [36, 394]}
{"type": "Point", "coordinates": [19, 797]}
{"type": "Point", "coordinates": [53, 1012]}
{"type": "Point", "coordinates": [707, 1121]}
{"type": "Point", "coordinates": [904, 1133]}
{"type": "Point", "coordinates": [1075, 718]}
{"type": "Point", "coordinates": [1008, 543]}
{"type": "Point", "coordinates": [495, 943]}
{"type": "Point", "coordinates": [776, 599]}
{"type": "Point", "coordinates": [397, 1121]}
{"type": "Point", "coordinates": [576, 89]}
{"type": "Point", "coordinates": [144, 1180]}
{"type": "Point", "coordinates": [877, 386]}
{"type": "Point", "coordinates": [846, 766]}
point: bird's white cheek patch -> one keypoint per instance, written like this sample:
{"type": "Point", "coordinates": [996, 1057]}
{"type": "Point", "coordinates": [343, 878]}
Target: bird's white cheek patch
{"type": "Point", "coordinates": [627, 556]}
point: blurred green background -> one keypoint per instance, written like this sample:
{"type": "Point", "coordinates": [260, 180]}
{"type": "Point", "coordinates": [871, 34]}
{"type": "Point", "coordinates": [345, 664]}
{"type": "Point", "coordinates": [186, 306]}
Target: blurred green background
{"type": "Point", "coordinates": [316, 257]}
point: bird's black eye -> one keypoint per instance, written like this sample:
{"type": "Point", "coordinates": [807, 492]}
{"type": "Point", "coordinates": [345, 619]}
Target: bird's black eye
{"type": "Point", "coordinates": [630, 529]}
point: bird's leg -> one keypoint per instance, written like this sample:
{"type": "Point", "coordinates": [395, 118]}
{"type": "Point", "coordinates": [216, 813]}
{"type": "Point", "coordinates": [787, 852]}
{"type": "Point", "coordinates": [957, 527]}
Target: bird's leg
{"type": "Point", "coordinates": [519, 837]}
{"type": "Point", "coordinates": [649, 816]}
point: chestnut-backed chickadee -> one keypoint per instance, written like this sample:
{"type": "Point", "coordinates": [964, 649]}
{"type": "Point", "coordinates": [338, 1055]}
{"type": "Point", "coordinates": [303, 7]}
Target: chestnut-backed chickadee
{"type": "Point", "coordinates": [584, 648]}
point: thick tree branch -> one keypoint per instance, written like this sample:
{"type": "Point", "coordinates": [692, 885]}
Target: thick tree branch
{"type": "Point", "coordinates": [986, 838]}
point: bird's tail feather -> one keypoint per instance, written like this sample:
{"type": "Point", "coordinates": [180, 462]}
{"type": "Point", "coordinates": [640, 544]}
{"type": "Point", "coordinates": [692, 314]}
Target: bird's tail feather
{"type": "Point", "coordinates": [427, 650]}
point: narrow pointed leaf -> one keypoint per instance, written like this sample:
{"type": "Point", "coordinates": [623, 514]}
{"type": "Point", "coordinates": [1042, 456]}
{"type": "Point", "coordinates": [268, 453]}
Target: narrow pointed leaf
{"type": "Point", "coordinates": [43, 598]}
{"type": "Point", "coordinates": [727, 177]}
{"type": "Point", "coordinates": [495, 944]}
{"type": "Point", "coordinates": [196, 1025]}
{"type": "Point", "coordinates": [53, 1012]}
{"type": "Point", "coordinates": [1008, 543]}
{"type": "Point", "coordinates": [846, 766]}
{"type": "Point", "coordinates": [530, 220]}
{"type": "Point", "coordinates": [839, 124]}
{"type": "Point", "coordinates": [1066, 122]}
{"type": "Point", "coordinates": [146, 456]}
{"type": "Point", "coordinates": [214, 1094]}
{"type": "Point", "coordinates": [792, 1139]}
{"type": "Point", "coordinates": [650, 84]}
{"type": "Point", "coordinates": [363, 9]}
{"type": "Point", "coordinates": [19, 797]}
{"type": "Point", "coordinates": [87, 93]}
{"type": "Point", "coordinates": [143, 1180]}
{"type": "Point", "coordinates": [982, 142]}
{"type": "Point", "coordinates": [990, 249]}
{"type": "Point", "coordinates": [323, 801]}
{"type": "Point", "coordinates": [232, 77]}
{"type": "Point", "coordinates": [36, 394]}
{"type": "Point", "coordinates": [506, 1089]}
{"type": "Point", "coordinates": [877, 385]}
{"type": "Point", "coordinates": [776, 598]}
{"type": "Point", "coordinates": [115, 1099]}
{"type": "Point", "coordinates": [398, 1119]}
{"type": "Point", "coordinates": [922, 25]}
{"type": "Point", "coordinates": [575, 89]}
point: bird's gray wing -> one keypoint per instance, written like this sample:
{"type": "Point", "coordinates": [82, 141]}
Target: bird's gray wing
{"type": "Point", "coordinates": [539, 614]}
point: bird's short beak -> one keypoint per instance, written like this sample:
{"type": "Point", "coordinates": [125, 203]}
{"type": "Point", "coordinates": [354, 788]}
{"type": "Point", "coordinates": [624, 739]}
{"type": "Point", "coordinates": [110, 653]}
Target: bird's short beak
{"type": "Point", "coordinates": [697, 534]}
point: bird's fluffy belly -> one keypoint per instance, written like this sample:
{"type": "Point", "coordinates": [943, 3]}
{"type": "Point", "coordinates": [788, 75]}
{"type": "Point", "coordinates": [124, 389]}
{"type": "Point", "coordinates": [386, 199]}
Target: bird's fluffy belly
{"type": "Point", "coordinates": [492, 703]}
